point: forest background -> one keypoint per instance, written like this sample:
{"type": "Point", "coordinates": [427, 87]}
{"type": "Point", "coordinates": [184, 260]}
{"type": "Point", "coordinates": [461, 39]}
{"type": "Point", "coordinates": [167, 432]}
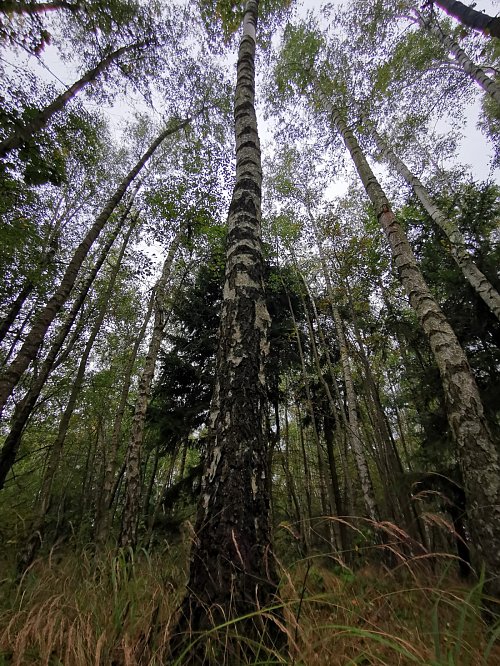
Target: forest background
{"type": "Point", "coordinates": [378, 482]}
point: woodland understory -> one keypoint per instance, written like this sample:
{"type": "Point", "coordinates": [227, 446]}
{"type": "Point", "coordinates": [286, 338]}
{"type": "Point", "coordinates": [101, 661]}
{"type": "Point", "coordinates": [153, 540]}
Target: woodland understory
{"type": "Point", "coordinates": [249, 333]}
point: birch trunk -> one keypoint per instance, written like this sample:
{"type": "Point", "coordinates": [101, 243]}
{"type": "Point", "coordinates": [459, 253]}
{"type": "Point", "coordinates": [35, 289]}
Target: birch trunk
{"type": "Point", "coordinates": [232, 571]}
{"type": "Point", "coordinates": [24, 408]}
{"type": "Point", "coordinates": [103, 516]}
{"type": "Point", "coordinates": [458, 249]}
{"type": "Point", "coordinates": [132, 506]}
{"type": "Point", "coordinates": [354, 433]}
{"type": "Point", "coordinates": [474, 71]}
{"type": "Point", "coordinates": [477, 451]}
{"type": "Point", "coordinates": [488, 25]}
{"type": "Point", "coordinates": [10, 6]}
{"type": "Point", "coordinates": [13, 373]}
{"type": "Point", "coordinates": [307, 386]}
{"type": "Point", "coordinates": [30, 284]}
{"type": "Point", "coordinates": [54, 457]}
{"type": "Point", "coordinates": [23, 134]}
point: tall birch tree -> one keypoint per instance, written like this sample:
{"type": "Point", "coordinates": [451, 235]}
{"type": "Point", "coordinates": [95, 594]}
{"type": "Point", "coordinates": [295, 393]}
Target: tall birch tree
{"type": "Point", "coordinates": [232, 572]}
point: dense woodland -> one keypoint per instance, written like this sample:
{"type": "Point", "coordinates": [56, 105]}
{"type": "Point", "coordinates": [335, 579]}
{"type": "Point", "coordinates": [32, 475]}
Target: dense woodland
{"type": "Point", "coordinates": [250, 397]}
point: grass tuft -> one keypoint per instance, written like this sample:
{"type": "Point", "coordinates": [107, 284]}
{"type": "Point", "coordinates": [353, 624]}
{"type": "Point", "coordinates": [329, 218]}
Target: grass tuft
{"type": "Point", "coordinates": [120, 610]}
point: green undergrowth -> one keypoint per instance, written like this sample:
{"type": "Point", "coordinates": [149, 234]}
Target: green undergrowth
{"type": "Point", "coordinates": [120, 610]}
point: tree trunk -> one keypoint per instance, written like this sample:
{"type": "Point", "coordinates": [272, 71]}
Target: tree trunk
{"type": "Point", "coordinates": [478, 452]}
{"type": "Point", "coordinates": [458, 249]}
{"type": "Point", "coordinates": [309, 397]}
{"type": "Point", "coordinates": [354, 430]}
{"type": "Point", "coordinates": [476, 73]}
{"type": "Point", "coordinates": [44, 501]}
{"type": "Point", "coordinates": [342, 527]}
{"type": "Point", "coordinates": [17, 305]}
{"type": "Point", "coordinates": [132, 507]}
{"type": "Point", "coordinates": [23, 134]}
{"type": "Point", "coordinates": [24, 408]}
{"type": "Point", "coordinates": [11, 7]}
{"type": "Point", "coordinates": [103, 515]}
{"type": "Point", "coordinates": [488, 25]}
{"type": "Point", "coordinates": [232, 571]}
{"type": "Point", "coordinates": [12, 374]}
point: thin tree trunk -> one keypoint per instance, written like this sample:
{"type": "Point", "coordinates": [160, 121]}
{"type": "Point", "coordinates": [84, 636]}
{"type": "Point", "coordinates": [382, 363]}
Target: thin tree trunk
{"type": "Point", "coordinates": [458, 249]}
{"type": "Point", "coordinates": [232, 571]}
{"type": "Point", "coordinates": [149, 490]}
{"type": "Point", "coordinates": [23, 134]}
{"type": "Point", "coordinates": [24, 408]}
{"type": "Point", "coordinates": [131, 509]}
{"type": "Point", "coordinates": [476, 73]}
{"type": "Point", "coordinates": [477, 451]}
{"type": "Point", "coordinates": [307, 476]}
{"type": "Point", "coordinates": [12, 7]}
{"type": "Point", "coordinates": [337, 409]}
{"type": "Point", "coordinates": [488, 25]}
{"type": "Point", "coordinates": [17, 337]}
{"type": "Point", "coordinates": [54, 457]}
{"type": "Point", "coordinates": [15, 308]}
{"type": "Point", "coordinates": [30, 284]}
{"type": "Point", "coordinates": [290, 480]}
{"type": "Point", "coordinates": [309, 397]}
{"type": "Point", "coordinates": [103, 516]}
{"type": "Point", "coordinates": [13, 373]}
{"type": "Point", "coordinates": [342, 527]}
{"type": "Point", "coordinates": [354, 430]}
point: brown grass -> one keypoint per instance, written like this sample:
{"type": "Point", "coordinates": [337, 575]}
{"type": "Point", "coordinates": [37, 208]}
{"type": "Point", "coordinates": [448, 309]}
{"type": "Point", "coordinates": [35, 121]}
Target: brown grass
{"type": "Point", "coordinates": [87, 611]}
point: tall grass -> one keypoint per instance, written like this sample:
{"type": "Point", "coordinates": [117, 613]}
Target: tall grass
{"type": "Point", "coordinates": [120, 610]}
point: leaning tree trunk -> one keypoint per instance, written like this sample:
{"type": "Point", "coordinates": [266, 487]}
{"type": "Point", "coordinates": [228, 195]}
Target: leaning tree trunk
{"type": "Point", "coordinates": [31, 547]}
{"type": "Point", "coordinates": [14, 7]}
{"type": "Point", "coordinates": [13, 373]}
{"type": "Point", "coordinates": [24, 408]}
{"type": "Point", "coordinates": [24, 133]}
{"type": "Point", "coordinates": [458, 250]}
{"type": "Point", "coordinates": [476, 73]}
{"type": "Point", "coordinates": [132, 506]}
{"type": "Point", "coordinates": [29, 286]}
{"type": "Point", "coordinates": [232, 572]}
{"type": "Point", "coordinates": [488, 25]}
{"type": "Point", "coordinates": [477, 451]}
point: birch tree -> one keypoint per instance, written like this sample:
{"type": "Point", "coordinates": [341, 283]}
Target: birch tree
{"type": "Point", "coordinates": [231, 568]}
{"type": "Point", "coordinates": [13, 373]}
{"type": "Point", "coordinates": [476, 448]}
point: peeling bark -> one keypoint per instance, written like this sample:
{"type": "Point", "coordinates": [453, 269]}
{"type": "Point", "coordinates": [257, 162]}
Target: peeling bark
{"type": "Point", "coordinates": [232, 571]}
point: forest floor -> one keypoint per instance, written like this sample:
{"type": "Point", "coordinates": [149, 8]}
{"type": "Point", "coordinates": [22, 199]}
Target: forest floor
{"type": "Point", "coordinates": [79, 610]}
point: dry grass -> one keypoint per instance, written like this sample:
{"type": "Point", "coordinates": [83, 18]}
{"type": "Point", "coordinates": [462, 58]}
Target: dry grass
{"type": "Point", "coordinates": [83, 611]}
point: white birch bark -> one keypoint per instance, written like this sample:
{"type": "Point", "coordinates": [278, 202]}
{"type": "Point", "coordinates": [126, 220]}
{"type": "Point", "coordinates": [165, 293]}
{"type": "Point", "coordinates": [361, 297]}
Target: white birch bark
{"type": "Point", "coordinates": [478, 453]}
{"type": "Point", "coordinates": [476, 73]}
{"type": "Point", "coordinates": [458, 250]}
{"type": "Point", "coordinates": [132, 506]}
